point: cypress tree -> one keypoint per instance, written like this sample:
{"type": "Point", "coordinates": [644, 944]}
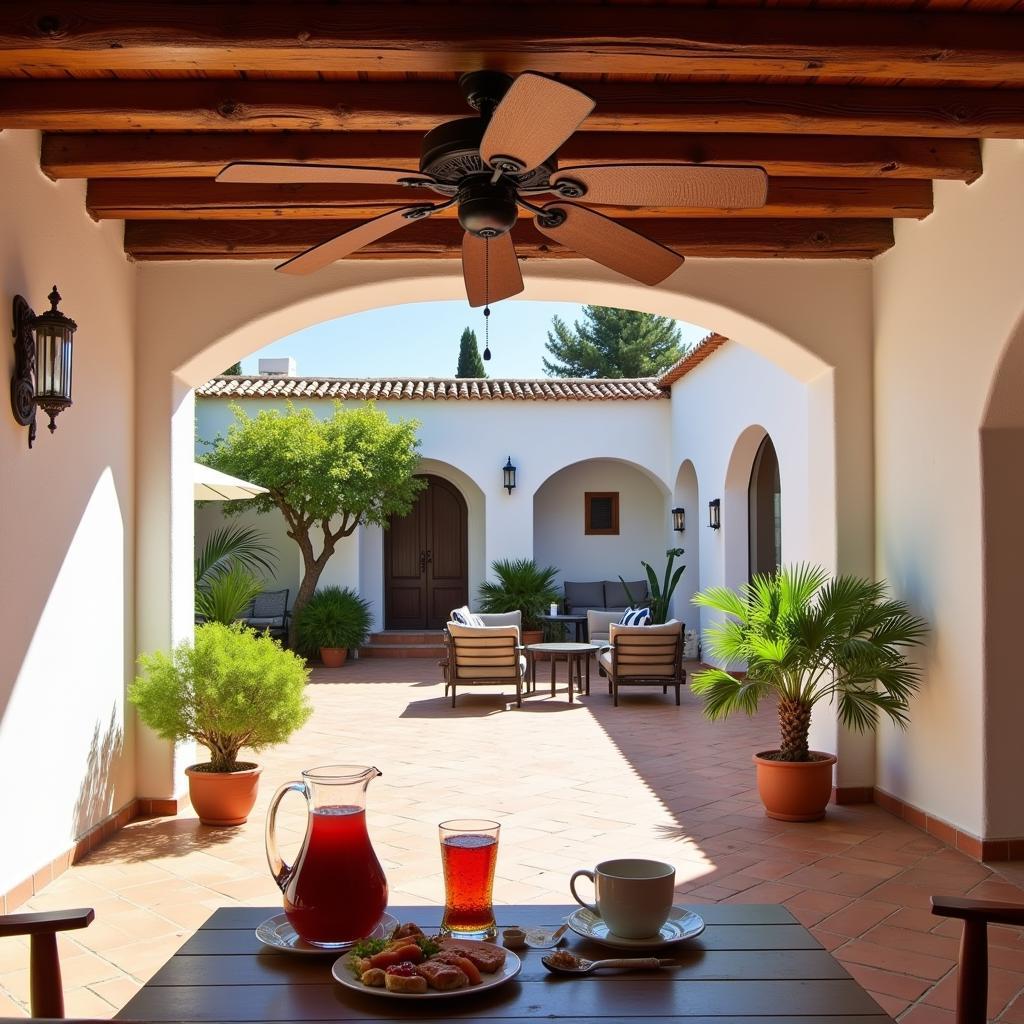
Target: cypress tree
{"type": "Point", "coordinates": [470, 363]}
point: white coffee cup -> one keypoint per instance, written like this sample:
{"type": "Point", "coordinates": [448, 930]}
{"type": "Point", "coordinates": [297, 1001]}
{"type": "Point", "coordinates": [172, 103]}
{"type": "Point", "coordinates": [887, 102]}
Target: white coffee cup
{"type": "Point", "coordinates": [634, 896]}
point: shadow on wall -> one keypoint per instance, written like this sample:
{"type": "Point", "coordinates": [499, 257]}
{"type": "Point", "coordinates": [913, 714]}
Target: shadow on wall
{"type": "Point", "coordinates": [96, 797]}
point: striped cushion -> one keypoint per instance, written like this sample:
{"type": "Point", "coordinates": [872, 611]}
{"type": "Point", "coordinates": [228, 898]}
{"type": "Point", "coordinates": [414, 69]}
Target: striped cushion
{"type": "Point", "coordinates": [636, 617]}
{"type": "Point", "coordinates": [464, 617]}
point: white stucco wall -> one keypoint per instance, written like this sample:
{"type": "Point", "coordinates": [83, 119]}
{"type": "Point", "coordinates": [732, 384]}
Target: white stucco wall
{"type": "Point", "coordinates": [948, 298]}
{"type": "Point", "coordinates": [559, 536]}
{"type": "Point", "coordinates": [66, 530]}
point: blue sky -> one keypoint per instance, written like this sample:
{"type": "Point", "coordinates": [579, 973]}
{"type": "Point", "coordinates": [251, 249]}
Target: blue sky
{"type": "Point", "coordinates": [422, 339]}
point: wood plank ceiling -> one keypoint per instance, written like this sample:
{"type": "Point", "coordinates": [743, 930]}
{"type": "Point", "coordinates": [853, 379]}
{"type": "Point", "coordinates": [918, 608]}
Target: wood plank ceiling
{"type": "Point", "coordinates": [854, 108]}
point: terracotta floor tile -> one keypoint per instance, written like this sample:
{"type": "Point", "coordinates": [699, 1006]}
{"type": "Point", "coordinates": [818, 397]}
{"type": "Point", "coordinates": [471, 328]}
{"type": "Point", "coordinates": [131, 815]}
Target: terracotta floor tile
{"type": "Point", "coordinates": [657, 781]}
{"type": "Point", "coordinates": [891, 1004]}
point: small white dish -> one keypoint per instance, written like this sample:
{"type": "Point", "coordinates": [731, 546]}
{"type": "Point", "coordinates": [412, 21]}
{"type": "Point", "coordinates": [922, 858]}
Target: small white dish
{"type": "Point", "coordinates": [680, 926]}
{"type": "Point", "coordinates": [344, 976]}
{"type": "Point", "coordinates": [277, 933]}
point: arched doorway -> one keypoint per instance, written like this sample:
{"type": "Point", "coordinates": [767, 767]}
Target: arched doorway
{"type": "Point", "coordinates": [764, 512]}
{"type": "Point", "coordinates": [426, 559]}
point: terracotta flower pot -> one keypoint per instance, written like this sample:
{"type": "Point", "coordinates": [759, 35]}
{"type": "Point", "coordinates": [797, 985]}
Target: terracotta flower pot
{"type": "Point", "coordinates": [223, 798]}
{"type": "Point", "coordinates": [795, 790]}
{"type": "Point", "coordinates": [333, 657]}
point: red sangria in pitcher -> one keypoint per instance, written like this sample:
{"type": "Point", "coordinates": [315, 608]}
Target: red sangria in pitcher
{"type": "Point", "coordinates": [335, 892]}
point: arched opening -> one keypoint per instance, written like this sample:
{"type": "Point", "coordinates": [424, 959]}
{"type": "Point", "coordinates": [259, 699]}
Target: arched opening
{"type": "Point", "coordinates": [570, 533]}
{"type": "Point", "coordinates": [734, 535]}
{"type": "Point", "coordinates": [426, 558]}
{"type": "Point", "coordinates": [764, 512]}
{"type": "Point", "coordinates": [686, 495]}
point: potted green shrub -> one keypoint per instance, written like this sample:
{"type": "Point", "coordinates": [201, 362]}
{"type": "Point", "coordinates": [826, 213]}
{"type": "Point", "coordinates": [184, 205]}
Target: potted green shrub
{"type": "Point", "coordinates": [521, 585]}
{"type": "Point", "coordinates": [806, 637]}
{"type": "Point", "coordinates": [229, 688]}
{"type": "Point", "coordinates": [334, 620]}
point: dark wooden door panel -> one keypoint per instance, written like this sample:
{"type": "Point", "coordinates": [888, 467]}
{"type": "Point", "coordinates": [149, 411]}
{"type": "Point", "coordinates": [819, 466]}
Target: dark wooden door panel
{"type": "Point", "coordinates": [426, 560]}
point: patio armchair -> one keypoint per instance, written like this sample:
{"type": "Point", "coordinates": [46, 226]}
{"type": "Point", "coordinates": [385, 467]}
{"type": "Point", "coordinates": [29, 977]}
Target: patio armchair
{"type": "Point", "coordinates": [972, 980]}
{"type": "Point", "coordinates": [599, 623]}
{"type": "Point", "coordinates": [269, 611]}
{"type": "Point", "coordinates": [644, 656]}
{"type": "Point", "coordinates": [484, 656]}
{"type": "Point", "coordinates": [47, 995]}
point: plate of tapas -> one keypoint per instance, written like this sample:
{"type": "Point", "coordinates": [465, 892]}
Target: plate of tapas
{"type": "Point", "coordinates": [412, 965]}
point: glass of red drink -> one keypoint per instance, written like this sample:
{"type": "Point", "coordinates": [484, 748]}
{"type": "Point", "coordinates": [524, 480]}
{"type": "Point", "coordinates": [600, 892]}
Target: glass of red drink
{"type": "Point", "coordinates": [469, 852]}
{"type": "Point", "coordinates": [335, 892]}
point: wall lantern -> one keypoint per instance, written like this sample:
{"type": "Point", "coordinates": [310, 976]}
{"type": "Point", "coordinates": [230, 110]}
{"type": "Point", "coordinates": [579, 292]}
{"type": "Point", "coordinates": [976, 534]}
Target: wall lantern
{"type": "Point", "coordinates": [42, 363]}
{"type": "Point", "coordinates": [509, 473]}
{"type": "Point", "coordinates": [715, 513]}
{"type": "Point", "coordinates": [678, 519]}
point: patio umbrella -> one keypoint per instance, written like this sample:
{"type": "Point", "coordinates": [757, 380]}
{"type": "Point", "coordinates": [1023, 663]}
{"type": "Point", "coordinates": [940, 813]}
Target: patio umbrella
{"type": "Point", "coordinates": [211, 485]}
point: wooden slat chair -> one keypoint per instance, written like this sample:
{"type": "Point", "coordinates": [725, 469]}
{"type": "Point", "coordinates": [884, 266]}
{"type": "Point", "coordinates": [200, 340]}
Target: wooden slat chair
{"type": "Point", "coordinates": [644, 656]}
{"type": "Point", "coordinates": [484, 656]}
{"type": "Point", "coordinates": [972, 981]}
{"type": "Point", "coordinates": [47, 995]}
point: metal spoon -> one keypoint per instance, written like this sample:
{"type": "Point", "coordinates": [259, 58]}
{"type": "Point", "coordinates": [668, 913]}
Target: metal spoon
{"type": "Point", "coordinates": [585, 966]}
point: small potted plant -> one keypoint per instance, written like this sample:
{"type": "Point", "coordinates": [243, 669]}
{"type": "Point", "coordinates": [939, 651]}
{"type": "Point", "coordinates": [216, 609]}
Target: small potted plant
{"type": "Point", "coordinates": [335, 620]}
{"type": "Point", "coordinates": [521, 585]}
{"type": "Point", "coordinates": [227, 689]}
{"type": "Point", "coordinates": [804, 638]}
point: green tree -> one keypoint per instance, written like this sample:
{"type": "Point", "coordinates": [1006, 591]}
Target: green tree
{"type": "Point", "coordinates": [613, 343]}
{"type": "Point", "coordinates": [234, 370]}
{"type": "Point", "coordinates": [326, 477]}
{"type": "Point", "coordinates": [470, 363]}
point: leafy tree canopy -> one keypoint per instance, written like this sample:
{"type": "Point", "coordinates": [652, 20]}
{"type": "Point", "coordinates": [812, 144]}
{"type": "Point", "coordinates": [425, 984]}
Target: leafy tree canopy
{"type": "Point", "coordinates": [613, 343]}
{"type": "Point", "coordinates": [330, 476]}
{"type": "Point", "coordinates": [234, 370]}
{"type": "Point", "coordinates": [470, 363]}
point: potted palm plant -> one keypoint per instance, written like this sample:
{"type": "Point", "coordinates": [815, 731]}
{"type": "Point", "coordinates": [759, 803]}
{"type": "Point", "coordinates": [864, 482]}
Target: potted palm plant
{"type": "Point", "coordinates": [521, 585]}
{"type": "Point", "coordinates": [228, 572]}
{"type": "Point", "coordinates": [334, 620]}
{"type": "Point", "coordinates": [806, 637]}
{"type": "Point", "coordinates": [229, 688]}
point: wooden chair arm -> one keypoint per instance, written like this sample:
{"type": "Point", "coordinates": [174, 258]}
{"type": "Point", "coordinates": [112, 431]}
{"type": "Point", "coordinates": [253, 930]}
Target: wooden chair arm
{"type": "Point", "coordinates": [45, 923]}
{"type": "Point", "coordinates": [987, 911]}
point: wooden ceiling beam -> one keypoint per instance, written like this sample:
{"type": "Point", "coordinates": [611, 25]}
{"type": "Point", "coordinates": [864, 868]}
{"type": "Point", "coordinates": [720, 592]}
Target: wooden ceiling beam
{"type": "Point", "coordinates": [211, 105]}
{"type": "Point", "coordinates": [563, 38]}
{"type": "Point", "coordinates": [442, 239]}
{"type": "Point", "coordinates": [174, 155]}
{"type": "Point", "coordinates": [204, 199]}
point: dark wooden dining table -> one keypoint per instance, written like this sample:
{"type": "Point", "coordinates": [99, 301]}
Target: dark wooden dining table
{"type": "Point", "coordinates": [754, 964]}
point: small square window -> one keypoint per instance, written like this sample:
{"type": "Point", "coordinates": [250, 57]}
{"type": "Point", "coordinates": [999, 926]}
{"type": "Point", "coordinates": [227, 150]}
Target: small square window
{"type": "Point", "coordinates": [601, 512]}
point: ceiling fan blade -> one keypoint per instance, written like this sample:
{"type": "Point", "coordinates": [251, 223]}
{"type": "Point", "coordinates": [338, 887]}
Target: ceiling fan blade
{"type": "Point", "coordinates": [345, 244]}
{"type": "Point", "coordinates": [534, 118]}
{"type": "Point", "coordinates": [490, 275]}
{"type": "Point", "coordinates": [608, 242]}
{"type": "Point", "coordinates": [283, 173]}
{"type": "Point", "coordinates": [715, 187]}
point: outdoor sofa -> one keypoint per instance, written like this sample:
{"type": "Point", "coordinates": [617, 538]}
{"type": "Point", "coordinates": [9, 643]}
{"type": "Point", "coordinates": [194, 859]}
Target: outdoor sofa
{"type": "Point", "coordinates": [607, 595]}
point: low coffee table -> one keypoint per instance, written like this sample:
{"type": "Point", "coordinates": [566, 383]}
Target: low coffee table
{"type": "Point", "coordinates": [576, 657]}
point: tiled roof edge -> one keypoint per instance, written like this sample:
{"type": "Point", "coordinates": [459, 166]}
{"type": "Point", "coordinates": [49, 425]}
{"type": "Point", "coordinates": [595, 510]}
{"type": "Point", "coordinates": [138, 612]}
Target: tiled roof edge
{"type": "Point", "coordinates": [709, 345]}
{"type": "Point", "coordinates": [544, 389]}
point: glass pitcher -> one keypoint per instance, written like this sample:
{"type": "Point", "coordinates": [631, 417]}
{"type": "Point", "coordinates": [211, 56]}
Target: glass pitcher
{"type": "Point", "coordinates": [335, 892]}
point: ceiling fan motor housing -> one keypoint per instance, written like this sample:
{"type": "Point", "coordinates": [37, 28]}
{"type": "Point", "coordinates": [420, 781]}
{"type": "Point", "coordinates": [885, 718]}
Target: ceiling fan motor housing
{"type": "Point", "coordinates": [487, 209]}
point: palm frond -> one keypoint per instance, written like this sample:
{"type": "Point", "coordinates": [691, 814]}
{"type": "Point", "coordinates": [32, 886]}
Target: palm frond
{"type": "Point", "coordinates": [243, 545]}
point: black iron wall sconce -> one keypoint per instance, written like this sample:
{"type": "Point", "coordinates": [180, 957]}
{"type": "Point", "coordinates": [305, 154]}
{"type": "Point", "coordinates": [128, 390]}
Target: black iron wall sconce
{"type": "Point", "coordinates": [715, 514]}
{"type": "Point", "coordinates": [42, 363]}
{"type": "Point", "coordinates": [509, 475]}
{"type": "Point", "coordinates": [678, 519]}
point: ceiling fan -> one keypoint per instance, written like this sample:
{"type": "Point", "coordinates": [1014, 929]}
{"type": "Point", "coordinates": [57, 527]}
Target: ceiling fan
{"type": "Point", "coordinates": [491, 165]}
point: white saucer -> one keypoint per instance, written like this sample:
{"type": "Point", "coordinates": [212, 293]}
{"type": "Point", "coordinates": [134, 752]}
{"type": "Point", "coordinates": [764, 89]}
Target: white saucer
{"type": "Point", "coordinates": [278, 933]}
{"type": "Point", "coordinates": [681, 925]}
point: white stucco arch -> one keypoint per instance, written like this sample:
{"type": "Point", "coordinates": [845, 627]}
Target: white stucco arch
{"type": "Point", "coordinates": [196, 317]}
{"type": "Point", "coordinates": [686, 495]}
{"type": "Point", "coordinates": [735, 511]}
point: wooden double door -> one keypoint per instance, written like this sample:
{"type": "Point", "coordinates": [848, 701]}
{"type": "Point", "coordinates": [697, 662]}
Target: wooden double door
{"type": "Point", "coordinates": [426, 556]}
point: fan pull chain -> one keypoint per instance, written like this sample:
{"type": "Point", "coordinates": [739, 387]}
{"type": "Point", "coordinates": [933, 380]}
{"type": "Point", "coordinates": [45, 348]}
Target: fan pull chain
{"type": "Point", "coordinates": [487, 299]}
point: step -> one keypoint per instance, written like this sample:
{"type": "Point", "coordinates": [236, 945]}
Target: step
{"type": "Point", "coordinates": [406, 637]}
{"type": "Point", "coordinates": [434, 651]}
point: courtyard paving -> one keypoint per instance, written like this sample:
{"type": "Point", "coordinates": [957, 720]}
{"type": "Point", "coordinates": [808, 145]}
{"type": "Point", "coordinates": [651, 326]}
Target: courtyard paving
{"type": "Point", "coordinates": [571, 785]}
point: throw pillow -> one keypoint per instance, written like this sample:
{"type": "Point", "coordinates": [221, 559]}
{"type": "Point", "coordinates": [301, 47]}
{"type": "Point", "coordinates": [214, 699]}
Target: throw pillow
{"type": "Point", "coordinates": [464, 617]}
{"type": "Point", "coordinates": [636, 617]}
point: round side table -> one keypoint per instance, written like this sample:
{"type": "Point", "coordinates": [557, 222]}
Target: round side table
{"type": "Point", "coordinates": [577, 658]}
